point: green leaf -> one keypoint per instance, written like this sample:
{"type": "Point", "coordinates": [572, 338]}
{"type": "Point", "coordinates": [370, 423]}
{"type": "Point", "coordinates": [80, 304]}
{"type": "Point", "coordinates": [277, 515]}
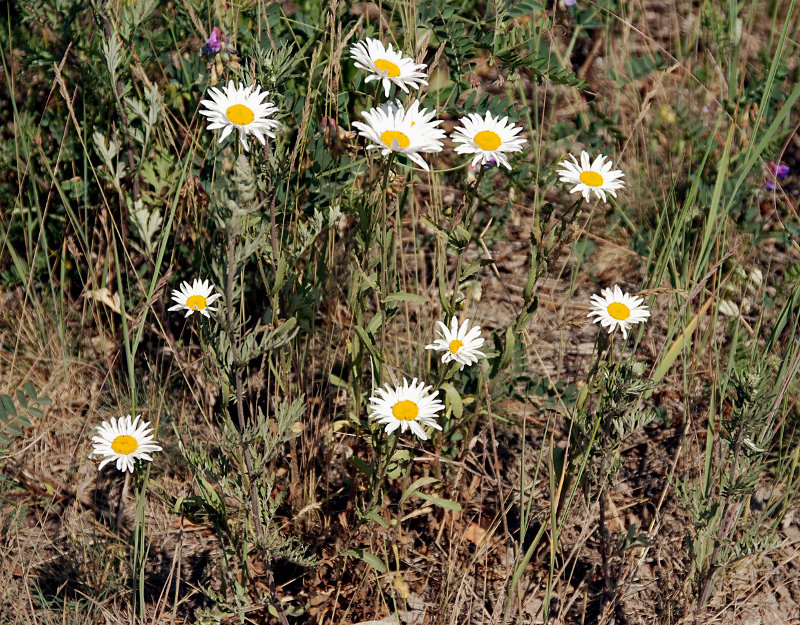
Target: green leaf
{"type": "Point", "coordinates": [372, 515]}
{"type": "Point", "coordinates": [369, 344]}
{"type": "Point", "coordinates": [412, 490]}
{"type": "Point", "coordinates": [8, 405]}
{"type": "Point", "coordinates": [370, 558]}
{"type": "Point", "coordinates": [401, 296]}
{"type": "Point", "coordinates": [454, 398]}
{"type": "Point", "coordinates": [447, 504]}
{"type": "Point", "coordinates": [375, 323]}
{"type": "Point", "coordinates": [335, 380]}
{"type": "Point", "coordinates": [34, 412]}
{"type": "Point", "coordinates": [362, 466]}
{"type": "Point", "coordinates": [475, 266]}
{"type": "Point", "coordinates": [210, 496]}
{"type": "Point", "coordinates": [23, 401]}
{"type": "Point", "coordinates": [30, 390]}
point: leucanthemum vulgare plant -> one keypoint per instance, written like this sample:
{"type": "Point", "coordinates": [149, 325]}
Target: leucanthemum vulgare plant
{"type": "Point", "coordinates": [610, 409]}
{"type": "Point", "coordinates": [237, 478]}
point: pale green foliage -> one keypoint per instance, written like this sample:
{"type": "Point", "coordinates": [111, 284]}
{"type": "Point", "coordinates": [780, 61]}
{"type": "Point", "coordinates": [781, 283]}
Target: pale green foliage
{"type": "Point", "coordinates": [16, 415]}
{"type": "Point", "coordinates": [614, 412]}
{"type": "Point", "coordinates": [723, 532]}
{"type": "Point", "coordinates": [146, 224]}
{"type": "Point", "coordinates": [224, 487]}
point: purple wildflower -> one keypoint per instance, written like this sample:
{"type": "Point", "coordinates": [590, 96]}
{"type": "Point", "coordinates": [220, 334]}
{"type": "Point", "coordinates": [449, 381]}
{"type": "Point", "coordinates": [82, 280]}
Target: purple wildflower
{"type": "Point", "coordinates": [776, 171]}
{"type": "Point", "coordinates": [214, 42]}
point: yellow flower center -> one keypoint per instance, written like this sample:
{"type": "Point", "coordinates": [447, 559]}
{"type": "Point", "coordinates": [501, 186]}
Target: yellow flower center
{"type": "Point", "coordinates": [487, 140]}
{"type": "Point", "coordinates": [619, 311]}
{"type": "Point", "coordinates": [124, 444]}
{"type": "Point", "coordinates": [405, 410]}
{"type": "Point", "coordinates": [455, 346]}
{"type": "Point", "coordinates": [591, 179]}
{"type": "Point", "coordinates": [390, 136]}
{"type": "Point", "coordinates": [240, 114]}
{"type": "Point", "coordinates": [387, 66]}
{"type": "Point", "coordinates": [196, 302]}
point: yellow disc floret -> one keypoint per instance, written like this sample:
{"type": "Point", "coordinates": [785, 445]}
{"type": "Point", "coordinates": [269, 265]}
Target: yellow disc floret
{"type": "Point", "coordinates": [487, 140]}
{"type": "Point", "coordinates": [390, 136]}
{"type": "Point", "coordinates": [405, 410]}
{"type": "Point", "coordinates": [196, 302]}
{"type": "Point", "coordinates": [387, 66]}
{"type": "Point", "coordinates": [240, 114]}
{"type": "Point", "coordinates": [124, 444]}
{"type": "Point", "coordinates": [455, 346]}
{"type": "Point", "coordinates": [591, 179]}
{"type": "Point", "coordinates": [619, 311]}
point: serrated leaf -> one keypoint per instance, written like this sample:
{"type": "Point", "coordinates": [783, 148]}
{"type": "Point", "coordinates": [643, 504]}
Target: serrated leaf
{"type": "Point", "coordinates": [370, 558]}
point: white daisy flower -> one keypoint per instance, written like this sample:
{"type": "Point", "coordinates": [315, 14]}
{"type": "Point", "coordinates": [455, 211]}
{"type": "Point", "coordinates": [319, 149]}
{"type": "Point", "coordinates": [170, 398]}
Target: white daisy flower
{"type": "Point", "coordinates": [597, 177]}
{"type": "Point", "coordinates": [195, 298]}
{"type": "Point", "coordinates": [459, 344]}
{"type": "Point", "coordinates": [406, 407]}
{"type": "Point", "coordinates": [387, 65]}
{"type": "Point", "coordinates": [617, 309]}
{"type": "Point", "coordinates": [487, 138]}
{"type": "Point", "coordinates": [124, 441]}
{"type": "Point", "coordinates": [391, 128]}
{"type": "Point", "coordinates": [242, 108]}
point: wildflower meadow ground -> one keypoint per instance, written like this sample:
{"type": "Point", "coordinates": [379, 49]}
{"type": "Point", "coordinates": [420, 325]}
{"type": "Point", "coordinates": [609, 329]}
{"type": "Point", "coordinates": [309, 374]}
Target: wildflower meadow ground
{"type": "Point", "coordinates": [421, 312]}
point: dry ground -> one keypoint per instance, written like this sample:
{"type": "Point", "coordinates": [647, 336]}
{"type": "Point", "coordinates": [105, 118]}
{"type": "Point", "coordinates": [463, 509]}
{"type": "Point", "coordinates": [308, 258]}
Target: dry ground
{"type": "Point", "coordinates": [57, 512]}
